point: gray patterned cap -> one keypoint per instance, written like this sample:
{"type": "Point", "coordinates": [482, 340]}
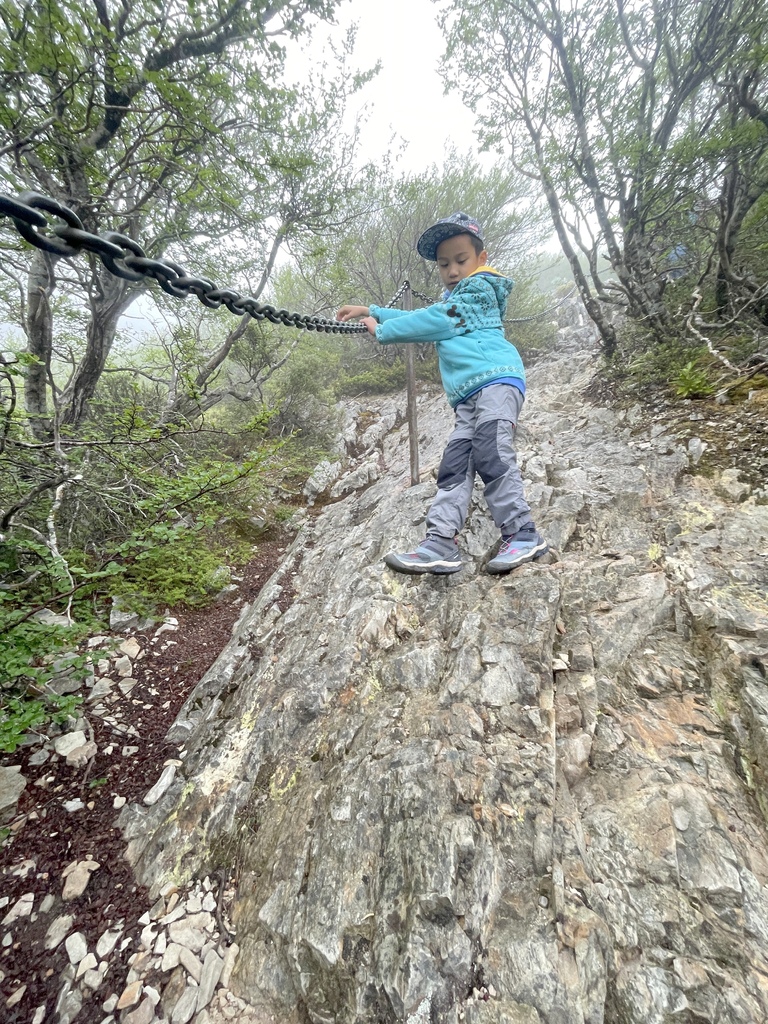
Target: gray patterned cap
{"type": "Point", "coordinates": [456, 224]}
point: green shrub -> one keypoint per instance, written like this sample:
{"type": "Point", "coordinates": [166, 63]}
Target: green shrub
{"type": "Point", "coordinates": [380, 379]}
{"type": "Point", "coordinates": [174, 564]}
{"type": "Point", "coordinates": [19, 717]}
{"type": "Point", "coordinates": [693, 381]}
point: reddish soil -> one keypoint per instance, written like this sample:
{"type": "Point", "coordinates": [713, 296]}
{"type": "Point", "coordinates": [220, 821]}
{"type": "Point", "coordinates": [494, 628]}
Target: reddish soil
{"type": "Point", "coordinates": [45, 838]}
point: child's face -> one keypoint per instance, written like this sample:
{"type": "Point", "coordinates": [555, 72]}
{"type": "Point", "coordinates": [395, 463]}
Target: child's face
{"type": "Point", "coordinates": [457, 259]}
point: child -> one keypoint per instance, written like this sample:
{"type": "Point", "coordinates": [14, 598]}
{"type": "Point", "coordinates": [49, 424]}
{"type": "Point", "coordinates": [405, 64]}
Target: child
{"type": "Point", "coordinates": [484, 380]}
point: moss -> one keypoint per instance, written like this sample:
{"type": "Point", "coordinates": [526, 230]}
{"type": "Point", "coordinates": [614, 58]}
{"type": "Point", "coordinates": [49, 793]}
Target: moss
{"type": "Point", "coordinates": [284, 779]}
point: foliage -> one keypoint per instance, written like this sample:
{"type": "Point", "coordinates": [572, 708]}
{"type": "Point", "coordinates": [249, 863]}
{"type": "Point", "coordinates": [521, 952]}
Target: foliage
{"type": "Point", "coordinates": [380, 379]}
{"type": "Point", "coordinates": [693, 381]}
{"type": "Point", "coordinates": [19, 717]}
{"type": "Point", "coordinates": [647, 128]}
{"type": "Point", "coordinates": [172, 126]}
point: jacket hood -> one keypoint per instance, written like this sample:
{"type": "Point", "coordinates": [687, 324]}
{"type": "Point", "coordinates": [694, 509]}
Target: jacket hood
{"type": "Point", "coordinates": [501, 285]}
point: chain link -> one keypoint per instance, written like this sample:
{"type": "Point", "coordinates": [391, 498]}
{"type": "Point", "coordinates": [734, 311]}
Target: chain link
{"type": "Point", "coordinates": [399, 294]}
{"type": "Point", "coordinates": [125, 258]}
{"type": "Point", "coordinates": [423, 297]}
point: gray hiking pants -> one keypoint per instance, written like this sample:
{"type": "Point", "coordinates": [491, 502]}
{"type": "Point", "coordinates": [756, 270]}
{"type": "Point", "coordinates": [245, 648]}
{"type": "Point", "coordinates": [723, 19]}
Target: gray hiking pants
{"type": "Point", "coordinates": [482, 442]}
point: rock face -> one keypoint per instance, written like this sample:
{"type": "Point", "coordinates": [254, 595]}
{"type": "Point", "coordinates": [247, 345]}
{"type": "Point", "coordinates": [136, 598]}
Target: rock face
{"type": "Point", "coordinates": [531, 799]}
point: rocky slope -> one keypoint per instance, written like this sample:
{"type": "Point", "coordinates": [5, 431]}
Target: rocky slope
{"type": "Point", "coordinates": [534, 798]}
{"type": "Point", "coordinates": [531, 799]}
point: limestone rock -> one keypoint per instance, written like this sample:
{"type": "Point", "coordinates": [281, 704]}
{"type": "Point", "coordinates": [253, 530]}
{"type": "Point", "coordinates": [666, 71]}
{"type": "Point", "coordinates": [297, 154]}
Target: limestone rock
{"type": "Point", "coordinates": [730, 486]}
{"type": "Point", "coordinates": [76, 878]}
{"type": "Point", "coordinates": [12, 785]}
{"type": "Point", "coordinates": [547, 784]}
{"type": "Point", "coordinates": [69, 741]}
{"type": "Point", "coordinates": [58, 930]}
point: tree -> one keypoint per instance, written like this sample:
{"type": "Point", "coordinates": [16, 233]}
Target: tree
{"type": "Point", "coordinates": [164, 123]}
{"type": "Point", "coordinates": [369, 260]}
{"type": "Point", "coordinates": [621, 111]}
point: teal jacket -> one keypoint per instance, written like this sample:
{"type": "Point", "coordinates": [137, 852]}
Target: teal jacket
{"type": "Point", "coordinates": [467, 331]}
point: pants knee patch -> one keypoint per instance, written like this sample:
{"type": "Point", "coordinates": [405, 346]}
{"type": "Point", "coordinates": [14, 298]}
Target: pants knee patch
{"type": "Point", "coordinates": [455, 463]}
{"type": "Point", "coordinates": [490, 462]}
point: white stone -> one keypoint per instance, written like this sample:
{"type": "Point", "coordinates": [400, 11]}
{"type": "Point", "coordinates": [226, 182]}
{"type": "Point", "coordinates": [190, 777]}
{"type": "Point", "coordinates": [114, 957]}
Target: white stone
{"type": "Point", "coordinates": [147, 938]}
{"type": "Point", "coordinates": [130, 647]}
{"type": "Point", "coordinates": [107, 942]}
{"type": "Point", "coordinates": [229, 962]}
{"type": "Point", "coordinates": [76, 878]}
{"type": "Point", "coordinates": [88, 963]}
{"type": "Point", "coordinates": [171, 956]}
{"type": "Point", "coordinates": [123, 666]}
{"type": "Point", "coordinates": [76, 947]}
{"type": "Point", "coordinates": [185, 1008]}
{"type": "Point", "coordinates": [161, 786]}
{"type": "Point", "coordinates": [16, 996]}
{"type": "Point", "coordinates": [80, 756]}
{"type": "Point", "coordinates": [69, 741]}
{"type": "Point", "coordinates": [58, 930]}
{"type": "Point", "coordinates": [152, 994]}
{"type": "Point", "coordinates": [21, 908]}
{"type": "Point", "coordinates": [130, 995]}
{"type": "Point", "coordinates": [212, 968]}
{"type": "Point", "coordinates": [49, 618]}
{"type": "Point", "coordinates": [70, 806]}
{"type": "Point", "coordinates": [109, 1004]}
{"type": "Point", "coordinates": [102, 689]}
{"type": "Point", "coordinates": [190, 963]}
{"type": "Point", "coordinates": [173, 915]}
{"type": "Point", "coordinates": [193, 904]}
{"type": "Point", "coordinates": [182, 933]}
{"type": "Point", "coordinates": [203, 921]}
{"type": "Point", "coordinates": [93, 979]}
{"type": "Point", "coordinates": [12, 784]}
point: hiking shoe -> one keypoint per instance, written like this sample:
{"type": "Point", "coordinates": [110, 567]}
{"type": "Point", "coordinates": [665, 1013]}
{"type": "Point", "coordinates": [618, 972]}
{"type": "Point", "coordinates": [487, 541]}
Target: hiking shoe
{"type": "Point", "coordinates": [434, 555]}
{"type": "Point", "coordinates": [524, 546]}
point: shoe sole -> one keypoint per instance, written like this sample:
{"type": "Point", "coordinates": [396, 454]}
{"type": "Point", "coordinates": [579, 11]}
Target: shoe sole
{"type": "Point", "coordinates": [440, 567]}
{"type": "Point", "coordinates": [529, 556]}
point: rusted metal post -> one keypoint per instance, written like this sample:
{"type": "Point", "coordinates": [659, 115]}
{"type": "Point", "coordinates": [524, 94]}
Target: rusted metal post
{"type": "Point", "coordinates": [410, 383]}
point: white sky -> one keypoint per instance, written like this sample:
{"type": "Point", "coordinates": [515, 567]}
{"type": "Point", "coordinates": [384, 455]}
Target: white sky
{"type": "Point", "coordinates": [406, 97]}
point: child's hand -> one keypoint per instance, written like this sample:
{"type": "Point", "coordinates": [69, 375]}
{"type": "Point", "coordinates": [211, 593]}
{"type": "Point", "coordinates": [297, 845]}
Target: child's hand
{"type": "Point", "coordinates": [371, 324]}
{"type": "Point", "coordinates": [352, 313]}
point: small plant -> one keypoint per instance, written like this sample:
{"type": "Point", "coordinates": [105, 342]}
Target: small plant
{"type": "Point", "coordinates": [693, 382]}
{"type": "Point", "coordinates": [19, 717]}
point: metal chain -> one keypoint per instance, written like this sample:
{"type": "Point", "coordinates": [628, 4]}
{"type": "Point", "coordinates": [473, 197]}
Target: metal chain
{"type": "Point", "coordinates": [399, 294]}
{"type": "Point", "coordinates": [423, 297]}
{"type": "Point", "coordinates": [125, 258]}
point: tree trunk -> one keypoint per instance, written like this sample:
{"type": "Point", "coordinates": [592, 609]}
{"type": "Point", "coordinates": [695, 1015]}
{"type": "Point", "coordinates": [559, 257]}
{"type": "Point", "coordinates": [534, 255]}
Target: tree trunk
{"type": "Point", "coordinates": [115, 296]}
{"type": "Point", "coordinates": [39, 329]}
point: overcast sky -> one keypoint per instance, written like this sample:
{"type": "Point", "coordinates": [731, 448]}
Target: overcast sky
{"type": "Point", "coordinates": [406, 97]}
